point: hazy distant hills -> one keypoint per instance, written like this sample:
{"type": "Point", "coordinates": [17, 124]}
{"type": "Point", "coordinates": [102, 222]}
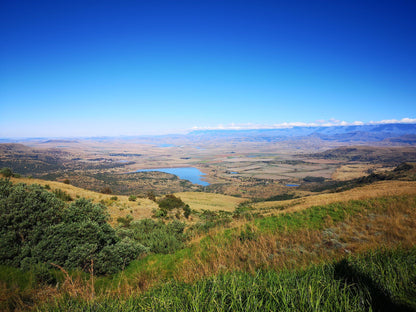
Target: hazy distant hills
{"type": "Point", "coordinates": [384, 134]}
{"type": "Point", "coordinates": [397, 133]}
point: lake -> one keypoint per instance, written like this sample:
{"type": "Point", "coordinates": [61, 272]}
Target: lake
{"type": "Point", "coordinates": [186, 173]}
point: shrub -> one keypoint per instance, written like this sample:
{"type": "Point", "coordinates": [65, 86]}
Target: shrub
{"type": "Point", "coordinates": [66, 181]}
{"type": "Point", "coordinates": [151, 195]}
{"type": "Point", "coordinates": [62, 195]}
{"type": "Point", "coordinates": [132, 198]}
{"type": "Point", "coordinates": [186, 211]}
{"type": "Point", "coordinates": [6, 172]}
{"type": "Point", "coordinates": [157, 236]}
{"type": "Point", "coordinates": [170, 202]}
{"type": "Point", "coordinates": [37, 227]}
{"type": "Point", "coordinates": [106, 190]}
{"type": "Point", "coordinates": [125, 222]}
{"type": "Point", "coordinates": [26, 212]}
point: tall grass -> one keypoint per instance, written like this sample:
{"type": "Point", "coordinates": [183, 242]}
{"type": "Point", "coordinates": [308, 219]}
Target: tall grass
{"type": "Point", "coordinates": [240, 267]}
{"type": "Point", "coordinates": [379, 281]}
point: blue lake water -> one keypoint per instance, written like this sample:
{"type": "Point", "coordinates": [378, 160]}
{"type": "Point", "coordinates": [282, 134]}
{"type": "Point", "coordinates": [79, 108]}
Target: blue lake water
{"type": "Point", "coordinates": [292, 185]}
{"type": "Point", "coordinates": [186, 173]}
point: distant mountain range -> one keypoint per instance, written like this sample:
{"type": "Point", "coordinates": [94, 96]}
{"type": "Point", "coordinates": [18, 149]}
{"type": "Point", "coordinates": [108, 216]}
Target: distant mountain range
{"type": "Point", "coordinates": [385, 134]}
{"type": "Point", "coordinates": [398, 133]}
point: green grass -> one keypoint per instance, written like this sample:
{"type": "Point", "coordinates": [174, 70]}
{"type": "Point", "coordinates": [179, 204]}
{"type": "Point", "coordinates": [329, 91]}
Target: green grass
{"type": "Point", "coordinates": [161, 266]}
{"type": "Point", "coordinates": [317, 216]}
{"type": "Point", "coordinates": [17, 278]}
{"type": "Point", "coordinates": [377, 281]}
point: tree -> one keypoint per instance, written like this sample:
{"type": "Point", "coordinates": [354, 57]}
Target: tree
{"type": "Point", "coordinates": [7, 172]}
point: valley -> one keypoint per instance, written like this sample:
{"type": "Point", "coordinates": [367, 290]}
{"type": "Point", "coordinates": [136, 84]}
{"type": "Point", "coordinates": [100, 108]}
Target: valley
{"type": "Point", "coordinates": [273, 211]}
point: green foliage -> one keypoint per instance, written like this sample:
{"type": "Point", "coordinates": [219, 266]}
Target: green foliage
{"type": "Point", "coordinates": [210, 219]}
{"type": "Point", "coordinates": [132, 198]}
{"type": "Point", "coordinates": [62, 195]}
{"type": "Point", "coordinates": [125, 222]}
{"type": "Point", "coordinates": [6, 172]}
{"type": "Point", "coordinates": [284, 196]}
{"type": "Point", "coordinates": [114, 198]}
{"type": "Point", "coordinates": [114, 257]}
{"type": "Point", "coordinates": [170, 202]}
{"type": "Point", "coordinates": [26, 212]}
{"type": "Point", "coordinates": [248, 234]}
{"type": "Point", "coordinates": [156, 235]}
{"type": "Point", "coordinates": [186, 211]}
{"type": "Point", "coordinates": [243, 210]}
{"type": "Point", "coordinates": [37, 228]}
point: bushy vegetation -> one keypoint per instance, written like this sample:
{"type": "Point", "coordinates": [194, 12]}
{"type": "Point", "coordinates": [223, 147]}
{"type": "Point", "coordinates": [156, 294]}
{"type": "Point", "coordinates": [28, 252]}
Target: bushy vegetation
{"type": "Point", "coordinates": [209, 219]}
{"type": "Point", "coordinates": [313, 179]}
{"type": "Point", "coordinates": [62, 195]}
{"type": "Point", "coordinates": [38, 228]}
{"type": "Point", "coordinates": [157, 236]}
{"type": "Point", "coordinates": [106, 190]}
{"type": "Point", "coordinates": [6, 172]}
{"type": "Point", "coordinates": [284, 196]}
{"type": "Point", "coordinates": [172, 205]}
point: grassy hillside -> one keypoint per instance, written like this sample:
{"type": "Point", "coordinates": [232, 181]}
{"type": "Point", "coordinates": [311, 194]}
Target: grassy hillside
{"type": "Point", "coordinates": [374, 190]}
{"type": "Point", "coordinates": [140, 208]}
{"type": "Point", "coordinates": [352, 250]}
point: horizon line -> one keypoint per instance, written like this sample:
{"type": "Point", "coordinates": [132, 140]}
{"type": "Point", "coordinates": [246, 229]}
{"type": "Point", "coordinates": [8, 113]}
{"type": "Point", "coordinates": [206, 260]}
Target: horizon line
{"type": "Point", "coordinates": [234, 127]}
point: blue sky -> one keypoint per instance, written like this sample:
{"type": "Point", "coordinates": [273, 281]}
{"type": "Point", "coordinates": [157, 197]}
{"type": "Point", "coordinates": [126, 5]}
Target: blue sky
{"type": "Point", "coordinates": [88, 68]}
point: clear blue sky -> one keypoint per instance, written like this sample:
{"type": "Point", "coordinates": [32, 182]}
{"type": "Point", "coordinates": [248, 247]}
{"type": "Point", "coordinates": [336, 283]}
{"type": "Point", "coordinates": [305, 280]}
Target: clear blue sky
{"type": "Point", "coordinates": [86, 68]}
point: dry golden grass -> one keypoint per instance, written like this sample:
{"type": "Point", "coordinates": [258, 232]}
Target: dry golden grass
{"type": "Point", "coordinates": [353, 171]}
{"type": "Point", "coordinates": [389, 223]}
{"type": "Point", "coordinates": [382, 188]}
{"type": "Point", "coordinates": [209, 201]}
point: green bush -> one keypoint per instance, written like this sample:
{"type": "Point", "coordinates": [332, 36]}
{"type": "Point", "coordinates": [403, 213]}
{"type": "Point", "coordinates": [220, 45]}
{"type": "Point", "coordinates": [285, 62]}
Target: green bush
{"type": "Point", "coordinates": [6, 172]}
{"type": "Point", "coordinates": [186, 211]}
{"type": "Point", "coordinates": [210, 219]}
{"type": "Point", "coordinates": [36, 228]}
{"type": "Point", "coordinates": [170, 202]}
{"type": "Point", "coordinates": [132, 198]}
{"type": "Point", "coordinates": [26, 213]}
{"type": "Point", "coordinates": [157, 236]}
{"type": "Point", "coordinates": [62, 195]}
